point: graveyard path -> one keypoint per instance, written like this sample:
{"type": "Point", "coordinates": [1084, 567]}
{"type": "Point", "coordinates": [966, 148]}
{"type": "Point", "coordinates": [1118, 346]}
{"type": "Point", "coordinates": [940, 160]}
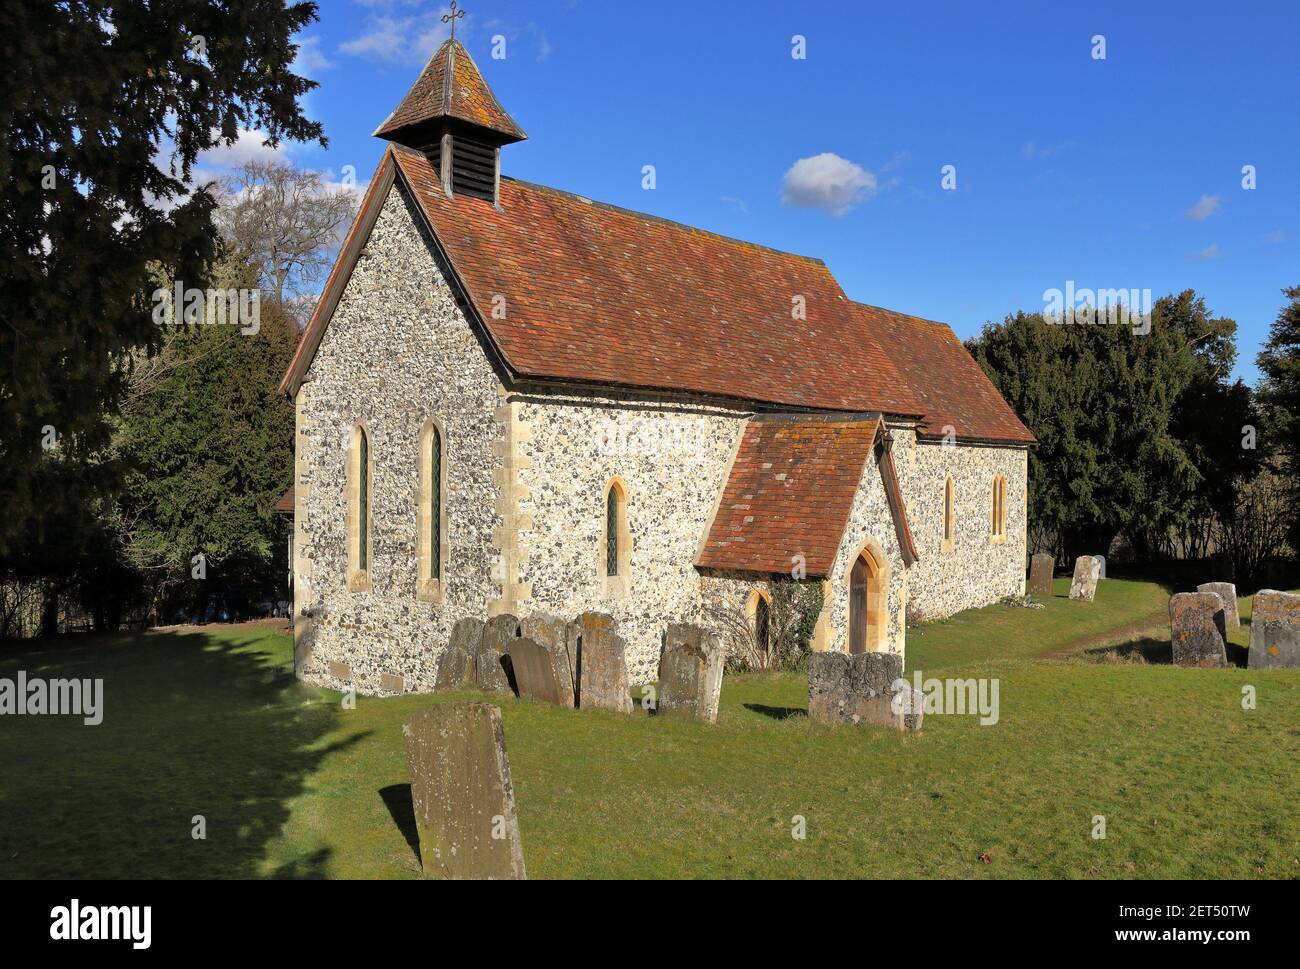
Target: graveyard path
{"type": "Point", "coordinates": [1154, 625]}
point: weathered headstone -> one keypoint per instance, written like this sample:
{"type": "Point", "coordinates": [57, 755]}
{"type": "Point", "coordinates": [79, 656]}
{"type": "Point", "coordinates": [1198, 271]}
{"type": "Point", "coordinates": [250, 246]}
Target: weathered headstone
{"type": "Point", "coordinates": [690, 672]}
{"type": "Point", "coordinates": [1087, 570]}
{"type": "Point", "coordinates": [534, 671]}
{"type": "Point", "coordinates": [859, 689]}
{"type": "Point", "coordinates": [1228, 593]}
{"type": "Point", "coordinates": [1196, 629]}
{"type": "Point", "coordinates": [456, 664]}
{"type": "Point", "coordinates": [461, 791]}
{"type": "Point", "coordinates": [492, 658]}
{"type": "Point", "coordinates": [1101, 566]}
{"type": "Point", "coordinates": [1274, 630]}
{"type": "Point", "coordinates": [550, 631]}
{"type": "Point", "coordinates": [1041, 567]}
{"type": "Point", "coordinates": [602, 663]}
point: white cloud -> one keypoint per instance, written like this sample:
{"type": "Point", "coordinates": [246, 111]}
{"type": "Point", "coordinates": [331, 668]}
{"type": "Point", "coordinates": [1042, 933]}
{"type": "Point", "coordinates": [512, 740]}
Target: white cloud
{"type": "Point", "coordinates": [827, 182]}
{"type": "Point", "coordinates": [1205, 207]}
{"type": "Point", "coordinates": [1277, 235]}
{"type": "Point", "coordinates": [1209, 252]}
{"type": "Point", "coordinates": [399, 38]}
{"type": "Point", "coordinates": [249, 146]}
{"type": "Point", "coordinates": [310, 58]}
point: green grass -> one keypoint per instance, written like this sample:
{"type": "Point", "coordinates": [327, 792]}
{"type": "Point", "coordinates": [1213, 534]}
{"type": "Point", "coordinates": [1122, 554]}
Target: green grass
{"type": "Point", "coordinates": [292, 785]}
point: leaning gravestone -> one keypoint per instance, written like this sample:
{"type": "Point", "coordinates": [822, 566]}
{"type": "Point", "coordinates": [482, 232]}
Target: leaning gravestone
{"type": "Point", "coordinates": [534, 671]}
{"type": "Point", "coordinates": [1087, 570]}
{"type": "Point", "coordinates": [1274, 630]}
{"type": "Point", "coordinates": [1228, 593]}
{"type": "Point", "coordinates": [1196, 629]}
{"type": "Point", "coordinates": [550, 632]}
{"type": "Point", "coordinates": [690, 672]}
{"type": "Point", "coordinates": [1041, 568]}
{"type": "Point", "coordinates": [859, 689]}
{"type": "Point", "coordinates": [461, 791]}
{"type": "Point", "coordinates": [456, 664]}
{"type": "Point", "coordinates": [602, 663]}
{"type": "Point", "coordinates": [492, 658]}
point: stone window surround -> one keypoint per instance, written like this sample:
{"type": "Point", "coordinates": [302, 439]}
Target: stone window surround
{"type": "Point", "coordinates": [615, 586]}
{"type": "Point", "coordinates": [432, 589]}
{"type": "Point", "coordinates": [751, 611]}
{"type": "Point", "coordinates": [998, 511]}
{"type": "Point", "coordinates": [948, 538]}
{"type": "Point", "coordinates": [357, 532]}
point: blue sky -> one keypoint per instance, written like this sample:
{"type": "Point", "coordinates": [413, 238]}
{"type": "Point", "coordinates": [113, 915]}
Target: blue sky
{"type": "Point", "coordinates": [1117, 173]}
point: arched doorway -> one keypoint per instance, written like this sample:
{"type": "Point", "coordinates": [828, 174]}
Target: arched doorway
{"type": "Point", "coordinates": [866, 604]}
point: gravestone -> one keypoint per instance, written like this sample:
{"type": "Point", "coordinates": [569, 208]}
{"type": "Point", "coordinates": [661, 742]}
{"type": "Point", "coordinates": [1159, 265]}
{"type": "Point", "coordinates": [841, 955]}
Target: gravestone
{"type": "Point", "coordinates": [550, 631]}
{"type": "Point", "coordinates": [534, 671]}
{"type": "Point", "coordinates": [492, 658]}
{"type": "Point", "coordinates": [1275, 630]}
{"type": "Point", "coordinates": [857, 689]}
{"type": "Point", "coordinates": [456, 664]}
{"type": "Point", "coordinates": [690, 672]}
{"type": "Point", "coordinates": [1101, 566]}
{"type": "Point", "coordinates": [1087, 570]}
{"type": "Point", "coordinates": [602, 663]}
{"type": "Point", "coordinates": [1196, 629]}
{"type": "Point", "coordinates": [1228, 593]}
{"type": "Point", "coordinates": [461, 791]}
{"type": "Point", "coordinates": [1041, 568]}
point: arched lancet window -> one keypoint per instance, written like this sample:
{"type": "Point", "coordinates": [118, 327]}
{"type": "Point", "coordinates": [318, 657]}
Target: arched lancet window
{"type": "Point", "coordinates": [611, 532]}
{"type": "Point", "coordinates": [759, 610]}
{"type": "Point", "coordinates": [432, 513]}
{"type": "Point", "coordinates": [999, 520]}
{"type": "Point", "coordinates": [949, 514]}
{"type": "Point", "coordinates": [616, 542]}
{"type": "Point", "coordinates": [359, 510]}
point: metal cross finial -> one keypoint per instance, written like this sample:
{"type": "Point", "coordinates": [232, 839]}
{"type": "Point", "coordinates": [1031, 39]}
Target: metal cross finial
{"type": "Point", "coordinates": [452, 17]}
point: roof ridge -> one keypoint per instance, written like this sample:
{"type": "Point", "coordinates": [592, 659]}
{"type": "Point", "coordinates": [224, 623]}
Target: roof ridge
{"type": "Point", "coordinates": [666, 221]}
{"type": "Point", "coordinates": [900, 313]}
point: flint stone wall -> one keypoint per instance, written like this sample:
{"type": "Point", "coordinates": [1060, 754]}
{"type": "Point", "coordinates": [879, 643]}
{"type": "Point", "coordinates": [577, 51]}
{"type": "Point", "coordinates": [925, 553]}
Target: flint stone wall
{"type": "Point", "coordinates": [397, 353]}
{"type": "Point", "coordinates": [980, 569]}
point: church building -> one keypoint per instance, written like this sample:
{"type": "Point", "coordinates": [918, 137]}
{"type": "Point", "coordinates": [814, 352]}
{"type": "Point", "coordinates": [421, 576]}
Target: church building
{"type": "Point", "coordinates": [514, 399]}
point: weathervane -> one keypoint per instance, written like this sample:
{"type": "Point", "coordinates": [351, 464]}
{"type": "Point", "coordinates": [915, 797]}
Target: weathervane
{"type": "Point", "coordinates": [452, 17]}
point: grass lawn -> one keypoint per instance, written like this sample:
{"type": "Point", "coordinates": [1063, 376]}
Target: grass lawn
{"type": "Point", "coordinates": [212, 723]}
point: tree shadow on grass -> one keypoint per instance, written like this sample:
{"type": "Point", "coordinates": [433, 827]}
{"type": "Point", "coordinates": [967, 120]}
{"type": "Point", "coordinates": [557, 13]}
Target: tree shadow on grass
{"type": "Point", "coordinates": [777, 713]}
{"type": "Point", "coordinates": [1156, 652]}
{"type": "Point", "coordinates": [397, 798]}
{"type": "Point", "coordinates": [195, 724]}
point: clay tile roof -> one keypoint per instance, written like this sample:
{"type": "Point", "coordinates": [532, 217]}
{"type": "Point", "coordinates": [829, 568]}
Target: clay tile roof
{"type": "Point", "coordinates": [285, 506]}
{"type": "Point", "coordinates": [599, 294]}
{"type": "Point", "coordinates": [953, 389]}
{"type": "Point", "coordinates": [789, 493]}
{"type": "Point", "coordinates": [450, 86]}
